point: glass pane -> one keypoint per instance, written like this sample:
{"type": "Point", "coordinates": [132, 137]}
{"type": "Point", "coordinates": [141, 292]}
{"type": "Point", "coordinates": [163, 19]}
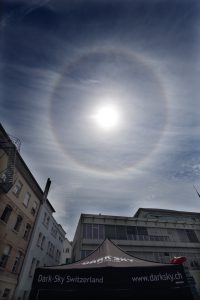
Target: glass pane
{"type": "Point", "coordinates": [110, 231]}
{"type": "Point", "coordinates": [121, 232]}
{"type": "Point", "coordinates": [101, 231]}
{"type": "Point", "coordinates": [95, 231]}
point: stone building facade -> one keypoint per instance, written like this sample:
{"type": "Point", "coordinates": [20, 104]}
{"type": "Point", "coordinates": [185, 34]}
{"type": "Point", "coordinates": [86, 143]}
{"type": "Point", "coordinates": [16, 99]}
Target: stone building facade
{"type": "Point", "coordinates": [20, 199]}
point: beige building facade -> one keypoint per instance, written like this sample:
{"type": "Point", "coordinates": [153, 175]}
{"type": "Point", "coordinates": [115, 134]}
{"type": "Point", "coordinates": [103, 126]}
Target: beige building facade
{"type": "Point", "coordinates": [20, 199]}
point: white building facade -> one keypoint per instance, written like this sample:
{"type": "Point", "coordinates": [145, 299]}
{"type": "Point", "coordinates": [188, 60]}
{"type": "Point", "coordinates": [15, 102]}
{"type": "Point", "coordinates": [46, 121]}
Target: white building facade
{"type": "Point", "coordinates": [67, 252]}
{"type": "Point", "coordinates": [151, 234]}
{"type": "Point", "coordinates": [45, 249]}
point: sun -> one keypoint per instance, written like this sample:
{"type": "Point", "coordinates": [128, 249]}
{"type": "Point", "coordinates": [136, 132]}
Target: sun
{"type": "Point", "coordinates": [107, 117]}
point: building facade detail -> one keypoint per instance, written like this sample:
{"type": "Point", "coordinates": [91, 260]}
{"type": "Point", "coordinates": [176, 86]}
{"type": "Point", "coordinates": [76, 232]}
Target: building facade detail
{"type": "Point", "coordinates": [151, 234]}
{"type": "Point", "coordinates": [45, 248]}
{"type": "Point", "coordinates": [19, 193]}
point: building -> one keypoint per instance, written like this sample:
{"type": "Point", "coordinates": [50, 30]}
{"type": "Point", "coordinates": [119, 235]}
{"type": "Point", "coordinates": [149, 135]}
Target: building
{"type": "Point", "coordinates": [67, 252]}
{"type": "Point", "coordinates": [29, 235]}
{"type": "Point", "coordinates": [46, 248]}
{"type": "Point", "coordinates": [151, 234]}
{"type": "Point", "coordinates": [20, 199]}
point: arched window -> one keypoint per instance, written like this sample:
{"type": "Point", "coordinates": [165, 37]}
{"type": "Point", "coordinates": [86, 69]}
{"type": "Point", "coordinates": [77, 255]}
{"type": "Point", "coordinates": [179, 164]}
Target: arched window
{"type": "Point", "coordinates": [18, 223]}
{"type": "Point", "coordinates": [6, 213]}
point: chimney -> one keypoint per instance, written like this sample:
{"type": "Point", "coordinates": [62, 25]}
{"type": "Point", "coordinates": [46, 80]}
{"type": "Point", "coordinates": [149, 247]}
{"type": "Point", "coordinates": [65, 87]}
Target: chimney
{"type": "Point", "coordinates": [46, 191]}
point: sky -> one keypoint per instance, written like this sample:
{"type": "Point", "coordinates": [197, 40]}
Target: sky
{"type": "Point", "coordinates": [104, 97]}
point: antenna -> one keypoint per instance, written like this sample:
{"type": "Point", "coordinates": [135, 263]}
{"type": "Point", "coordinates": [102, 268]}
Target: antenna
{"type": "Point", "coordinates": [196, 190]}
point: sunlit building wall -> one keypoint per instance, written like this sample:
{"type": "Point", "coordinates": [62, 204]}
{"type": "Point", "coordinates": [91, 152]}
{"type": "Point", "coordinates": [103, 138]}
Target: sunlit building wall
{"type": "Point", "coordinates": [20, 199]}
{"type": "Point", "coordinates": [46, 248]}
{"type": "Point", "coordinates": [152, 234]}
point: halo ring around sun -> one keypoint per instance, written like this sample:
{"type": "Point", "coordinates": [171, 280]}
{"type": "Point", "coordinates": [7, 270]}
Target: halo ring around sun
{"type": "Point", "coordinates": [77, 161]}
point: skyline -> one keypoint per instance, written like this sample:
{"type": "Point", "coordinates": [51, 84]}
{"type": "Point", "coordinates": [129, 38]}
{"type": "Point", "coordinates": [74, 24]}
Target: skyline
{"type": "Point", "coordinates": [62, 62]}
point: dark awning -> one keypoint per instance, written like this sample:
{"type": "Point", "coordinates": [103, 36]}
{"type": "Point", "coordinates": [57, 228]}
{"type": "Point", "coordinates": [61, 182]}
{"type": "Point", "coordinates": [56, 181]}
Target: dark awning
{"type": "Point", "coordinates": [109, 268]}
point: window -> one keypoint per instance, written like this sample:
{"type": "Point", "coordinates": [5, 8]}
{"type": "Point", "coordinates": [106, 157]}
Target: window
{"type": "Point", "coordinates": [142, 230]}
{"type": "Point", "coordinates": [43, 242]}
{"type": "Point", "coordinates": [27, 199]}
{"type": "Point", "coordinates": [17, 188]}
{"type": "Point", "coordinates": [5, 256]}
{"type": "Point", "coordinates": [121, 233]}
{"type": "Point", "coordinates": [85, 253]}
{"type": "Point", "coordinates": [37, 264]}
{"type": "Point", "coordinates": [57, 255]}
{"type": "Point", "coordinates": [192, 236]}
{"type": "Point", "coordinates": [6, 294]}
{"type": "Point", "coordinates": [110, 231]}
{"type": "Point", "coordinates": [131, 232]}
{"type": "Point", "coordinates": [27, 232]}
{"type": "Point", "coordinates": [39, 239]}
{"type": "Point", "coordinates": [60, 239]}
{"type": "Point", "coordinates": [17, 262]}
{"type": "Point", "coordinates": [18, 223]}
{"type": "Point", "coordinates": [93, 231]}
{"type": "Point", "coordinates": [34, 208]}
{"type": "Point", "coordinates": [25, 295]}
{"type": "Point", "coordinates": [31, 271]}
{"type": "Point", "coordinates": [54, 231]}
{"type": "Point", "coordinates": [50, 249]}
{"type": "Point", "coordinates": [6, 213]}
{"type": "Point", "coordinates": [46, 220]}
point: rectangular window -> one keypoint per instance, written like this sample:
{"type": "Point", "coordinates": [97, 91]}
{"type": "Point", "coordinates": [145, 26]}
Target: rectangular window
{"type": "Point", "coordinates": [31, 271]}
{"type": "Point", "coordinates": [192, 236]}
{"type": "Point", "coordinates": [18, 223]}
{"type": "Point", "coordinates": [46, 220]}
{"type": "Point", "coordinates": [142, 230]}
{"type": "Point", "coordinates": [25, 295]}
{"type": "Point", "coordinates": [121, 233]}
{"type": "Point", "coordinates": [85, 253]}
{"type": "Point", "coordinates": [93, 231]}
{"type": "Point", "coordinates": [6, 294]}
{"type": "Point", "coordinates": [17, 262]}
{"type": "Point", "coordinates": [6, 213]}
{"type": "Point", "coordinates": [43, 242]}
{"type": "Point", "coordinates": [4, 257]}
{"type": "Point", "coordinates": [54, 231]}
{"type": "Point", "coordinates": [27, 199]}
{"type": "Point", "coordinates": [101, 231]}
{"type": "Point", "coordinates": [39, 239]}
{"type": "Point", "coordinates": [17, 188]}
{"type": "Point", "coordinates": [110, 231]}
{"type": "Point", "coordinates": [131, 232]}
{"type": "Point", "coordinates": [89, 231]}
{"type": "Point", "coordinates": [37, 264]}
{"type": "Point", "coordinates": [34, 208]}
{"type": "Point", "coordinates": [27, 232]}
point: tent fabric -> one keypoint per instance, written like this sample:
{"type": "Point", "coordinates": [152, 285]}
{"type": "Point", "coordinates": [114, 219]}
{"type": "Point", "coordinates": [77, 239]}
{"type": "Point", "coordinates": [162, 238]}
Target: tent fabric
{"type": "Point", "coordinates": [108, 255]}
{"type": "Point", "coordinates": [109, 270]}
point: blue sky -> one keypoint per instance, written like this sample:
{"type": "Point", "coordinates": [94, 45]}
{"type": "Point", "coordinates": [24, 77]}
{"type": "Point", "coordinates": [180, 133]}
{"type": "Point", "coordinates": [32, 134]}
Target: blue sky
{"type": "Point", "coordinates": [61, 61]}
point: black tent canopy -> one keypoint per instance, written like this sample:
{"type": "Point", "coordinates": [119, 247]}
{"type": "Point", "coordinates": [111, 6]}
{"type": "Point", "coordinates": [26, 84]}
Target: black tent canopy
{"type": "Point", "coordinates": [110, 272]}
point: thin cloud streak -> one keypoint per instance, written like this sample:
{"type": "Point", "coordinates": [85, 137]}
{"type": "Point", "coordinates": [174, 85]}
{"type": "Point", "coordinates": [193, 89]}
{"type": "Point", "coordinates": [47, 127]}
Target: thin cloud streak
{"type": "Point", "coordinates": [62, 60]}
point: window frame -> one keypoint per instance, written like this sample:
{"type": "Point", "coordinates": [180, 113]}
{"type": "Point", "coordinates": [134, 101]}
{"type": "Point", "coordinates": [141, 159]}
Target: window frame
{"type": "Point", "coordinates": [6, 214]}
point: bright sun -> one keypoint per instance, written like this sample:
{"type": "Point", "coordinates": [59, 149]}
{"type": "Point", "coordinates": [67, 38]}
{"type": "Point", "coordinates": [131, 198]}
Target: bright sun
{"type": "Point", "coordinates": [106, 117]}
